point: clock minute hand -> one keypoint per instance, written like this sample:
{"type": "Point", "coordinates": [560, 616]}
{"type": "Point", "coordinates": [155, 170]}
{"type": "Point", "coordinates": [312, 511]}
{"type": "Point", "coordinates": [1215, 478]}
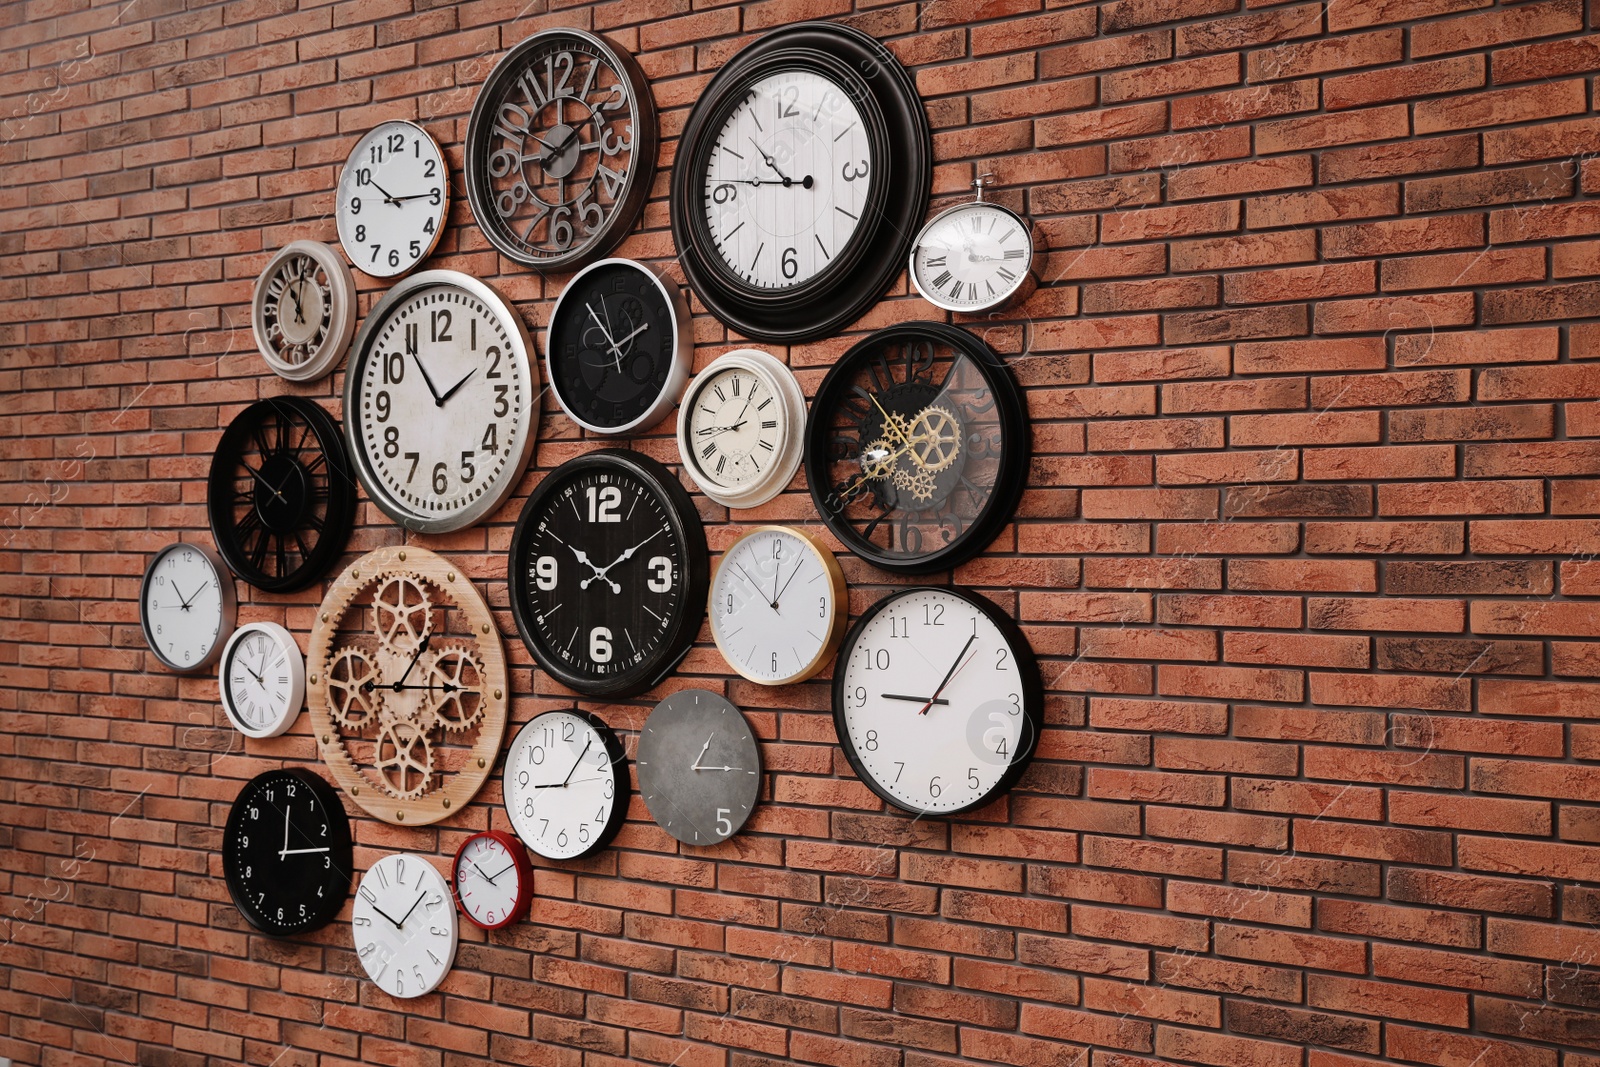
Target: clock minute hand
{"type": "Point", "coordinates": [951, 673]}
{"type": "Point", "coordinates": [413, 908]}
{"type": "Point", "coordinates": [579, 760]}
{"type": "Point", "coordinates": [605, 333]}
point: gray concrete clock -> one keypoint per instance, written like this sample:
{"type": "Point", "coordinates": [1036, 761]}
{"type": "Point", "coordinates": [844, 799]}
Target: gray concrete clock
{"type": "Point", "coordinates": [699, 767]}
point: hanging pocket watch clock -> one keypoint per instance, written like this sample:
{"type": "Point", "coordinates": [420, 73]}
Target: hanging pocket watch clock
{"type": "Point", "coordinates": [286, 852]}
{"type": "Point", "coordinates": [279, 496]}
{"type": "Point", "coordinates": [619, 347]}
{"type": "Point", "coordinates": [187, 606]}
{"type": "Point", "coordinates": [608, 572]}
{"type": "Point", "coordinates": [740, 428]}
{"type": "Point", "coordinates": [561, 149]}
{"type": "Point", "coordinates": [801, 177]}
{"type": "Point", "coordinates": [441, 401]}
{"type": "Point", "coordinates": [304, 311]}
{"type": "Point", "coordinates": [778, 605]}
{"type": "Point", "coordinates": [975, 257]}
{"type": "Point", "coordinates": [406, 685]}
{"type": "Point", "coordinates": [937, 700]}
{"type": "Point", "coordinates": [566, 784]}
{"type": "Point", "coordinates": [917, 447]}
{"type": "Point", "coordinates": [394, 197]}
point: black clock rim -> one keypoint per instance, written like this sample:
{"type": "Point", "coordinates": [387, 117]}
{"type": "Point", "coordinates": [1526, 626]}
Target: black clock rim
{"type": "Point", "coordinates": [1009, 484]}
{"type": "Point", "coordinates": [1032, 694]}
{"type": "Point", "coordinates": [342, 854]}
{"type": "Point", "coordinates": [636, 185]}
{"type": "Point", "coordinates": [341, 516]}
{"type": "Point", "coordinates": [618, 756]}
{"type": "Point", "coordinates": [877, 251]}
{"type": "Point", "coordinates": [755, 749]}
{"type": "Point", "coordinates": [686, 527]}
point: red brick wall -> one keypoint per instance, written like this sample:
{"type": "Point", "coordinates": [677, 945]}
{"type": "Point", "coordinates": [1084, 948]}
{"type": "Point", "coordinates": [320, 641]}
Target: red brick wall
{"type": "Point", "coordinates": [1307, 553]}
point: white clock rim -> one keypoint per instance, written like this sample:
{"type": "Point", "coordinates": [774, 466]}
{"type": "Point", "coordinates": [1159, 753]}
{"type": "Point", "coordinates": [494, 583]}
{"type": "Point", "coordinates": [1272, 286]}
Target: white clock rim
{"type": "Point", "coordinates": [618, 777]}
{"type": "Point", "coordinates": [342, 324]}
{"type": "Point", "coordinates": [682, 348]}
{"type": "Point", "coordinates": [512, 473]}
{"type": "Point", "coordinates": [453, 919]}
{"type": "Point", "coordinates": [230, 605]}
{"type": "Point", "coordinates": [444, 206]}
{"type": "Point", "coordinates": [287, 716]}
{"type": "Point", "coordinates": [781, 381]}
{"type": "Point", "coordinates": [836, 621]}
{"type": "Point", "coordinates": [1005, 298]}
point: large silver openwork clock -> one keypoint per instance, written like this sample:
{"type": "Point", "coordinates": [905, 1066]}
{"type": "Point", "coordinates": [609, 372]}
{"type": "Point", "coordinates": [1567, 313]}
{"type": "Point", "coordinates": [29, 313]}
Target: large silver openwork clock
{"type": "Point", "coordinates": [441, 401]}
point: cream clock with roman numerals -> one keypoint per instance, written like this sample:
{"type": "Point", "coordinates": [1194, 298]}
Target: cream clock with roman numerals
{"type": "Point", "coordinates": [741, 428]}
{"type": "Point", "coordinates": [975, 257]}
{"type": "Point", "coordinates": [404, 925]}
{"type": "Point", "coordinates": [394, 197]}
{"type": "Point", "coordinates": [304, 311]}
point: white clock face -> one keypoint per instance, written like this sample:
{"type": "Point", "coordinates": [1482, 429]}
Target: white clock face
{"type": "Point", "coordinates": [787, 179]}
{"type": "Point", "coordinates": [488, 881]}
{"type": "Point", "coordinates": [404, 925]}
{"type": "Point", "coordinates": [736, 427]}
{"type": "Point", "coordinates": [773, 606]}
{"type": "Point", "coordinates": [184, 607]}
{"type": "Point", "coordinates": [561, 786]}
{"type": "Point", "coordinates": [394, 193]}
{"type": "Point", "coordinates": [440, 403]}
{"type": "Point", "coordinates": [933, 701]}
{"type": "Point", "coordinates": [263, 679]}
{"type": "Point", "coordinates": [972, 257]}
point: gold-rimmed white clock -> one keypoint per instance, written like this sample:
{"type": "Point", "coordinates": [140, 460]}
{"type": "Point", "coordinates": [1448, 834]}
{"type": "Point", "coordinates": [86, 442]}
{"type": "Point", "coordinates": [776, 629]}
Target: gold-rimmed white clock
{"type": "Point", "coordinates": [973, 257]}
{"type": "Point", "coordinates": [394, 196]}
{"type": "Point", "coordinates": [741, 428]}
{"type": "Point", "coordinates": [778, 605]}
{"type": "Point", "coordinates": [304, 311]}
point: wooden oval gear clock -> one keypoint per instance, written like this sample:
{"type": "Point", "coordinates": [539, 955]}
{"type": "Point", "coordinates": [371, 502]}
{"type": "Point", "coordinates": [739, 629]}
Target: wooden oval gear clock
{"type": "Point", "coordinates": [801, 179]}
{"type": "Point", "coordinates": [406, 685]}
{"type": "Point", "coordinates": [561, 149]}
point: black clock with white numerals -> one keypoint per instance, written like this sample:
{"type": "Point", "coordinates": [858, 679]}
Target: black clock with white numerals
{"type": "Point", "coordinates": [608, 573]}
{"type": "Point", "coordinates": [286, 853]}
{"type": "Point", "coordinates": [801, 179]}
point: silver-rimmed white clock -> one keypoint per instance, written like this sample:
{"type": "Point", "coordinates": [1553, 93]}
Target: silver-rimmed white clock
{"type": "Point", "coordinates": [187, 606]}
{"type": "Point", "coordinates": [263, 679]}
{"type": "Point", "coordinates": [973, 257]}
{"type": "Point", "coordinates": [394, 196]}
{"type": "Point", "coordinates": [741, 428]}
{"type": "Point", "coordinates": [304, 311]}
{"type": "Point", "coordinates": [778, 605]}
{"type": "Point", "coordinates": [404, 925]}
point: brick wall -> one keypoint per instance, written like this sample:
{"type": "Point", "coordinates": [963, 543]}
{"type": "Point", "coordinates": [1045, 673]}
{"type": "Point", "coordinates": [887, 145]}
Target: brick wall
{"type": "Point", "coordinates": [1308, 554]}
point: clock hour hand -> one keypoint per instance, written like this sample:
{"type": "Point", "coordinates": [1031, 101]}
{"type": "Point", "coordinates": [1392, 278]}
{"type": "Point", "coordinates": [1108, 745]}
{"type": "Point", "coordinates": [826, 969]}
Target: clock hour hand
{"type": "Point", "coordinates": [387, 199]}
{"type": "Point", "coordinates": [422, 646]}
{"type": "Point", "coordinates": [773, 163]}
{"type": "Point", "coordinates": [307, 851]}
{"type": "Point", "coordinates": [485, 876]}
{"type": "Point", "coordinates": [452, 390]}
{"type": "Point", "coordinates": [299, 308]}
{"type": "Point", "coordinates": [258, 476]}
{"type": "Point", "coordinates": [605, 333]}
{"type": "Point", "coordinates": [386, 915]}
{"type": "Point", "coordinates": [696, 765]}
{"type": "Point", "coordinates": [912, 700]}
{"type": "Point", "coordinates": [598, 576]}
{"type": "Point", "coordinates": [438, 401]}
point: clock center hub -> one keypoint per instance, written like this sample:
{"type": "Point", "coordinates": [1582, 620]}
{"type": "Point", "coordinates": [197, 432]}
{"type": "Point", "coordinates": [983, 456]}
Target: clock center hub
{"type": "Point", "coordinates": [564, 148]}
{"type": "Point", "coordinates": [280, 493]}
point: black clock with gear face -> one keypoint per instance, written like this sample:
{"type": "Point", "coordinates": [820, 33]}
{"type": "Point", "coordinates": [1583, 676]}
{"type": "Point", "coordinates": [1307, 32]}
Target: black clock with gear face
{"type": "Point", "coordinates": [286, 852]}
{"type": "Point", "coordinates": [619, 347]}
{"type": "Point", "coordinates": [608, 573]}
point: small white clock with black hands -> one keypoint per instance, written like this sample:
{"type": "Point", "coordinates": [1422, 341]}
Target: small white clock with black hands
{"type": "Point", "coordinates": [186, 606]}
{"type": "Point", "coordinates": [937, 700]}
{"type": "Point", "coordinates": [699, 767]}
{"type": "Point", "coordinates": [394, 196]}
{"type": "Point", "coordinates": [405, 925]}
{"type": "Point", "coordinates": [565, 787]}
{"type": "Point", "coordinates": [263, 679]}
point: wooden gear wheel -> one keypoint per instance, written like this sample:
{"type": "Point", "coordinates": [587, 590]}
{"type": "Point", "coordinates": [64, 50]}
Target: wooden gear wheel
{"type": "Point", "coordinates": [406, 685]}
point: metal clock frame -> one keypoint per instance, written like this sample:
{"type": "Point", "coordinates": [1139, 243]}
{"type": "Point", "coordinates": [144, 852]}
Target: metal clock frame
{"type": "Point", "coordinates": [1026, 284]}
{"type": "Point", "coordinates": [230, 606]}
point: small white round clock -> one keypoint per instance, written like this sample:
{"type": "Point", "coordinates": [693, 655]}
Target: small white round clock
{"type": "Point", "coordinates": [778, 605]}
{"type": "Point", "coordinates": [493, 880]}
{"type": "Point", "coordinates": [974, 257]}
{"type": "Point", "coordinates": [304, 311]}
{"type": "Point", "coordinates": [741, 428]}
{"type": "Point", "coordinates": [263, 679]}
{"type": "Point", "coordinates": [187, 606]}
{"type": "Point", "coordinates": [394, 196]}
{"type": "Point", "coordinates": [566, 788]}
{"type": "Point", "coordinates": [404, 925]}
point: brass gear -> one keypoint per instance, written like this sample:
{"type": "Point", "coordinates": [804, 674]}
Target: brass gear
{"type": "Point", "coordinates": [402, 613]}
{"type": "Point", "coordinates": [919, 484]}
{"type": "Point", "coordinates": [935, 439]}
{"type": "Point", "coordinates": [455, 678]}
{"type": "Point", "coordinates": [354, 702]}
{"type": "Point", "coordinates": [404, 760]}
{"type": "Point", "coordinates": [876, 461]}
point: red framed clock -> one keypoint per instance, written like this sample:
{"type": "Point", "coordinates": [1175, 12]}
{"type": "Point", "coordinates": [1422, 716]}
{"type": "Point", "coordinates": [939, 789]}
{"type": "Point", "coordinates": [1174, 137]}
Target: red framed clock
{"type": "Point", "coordinates": [492, 879]}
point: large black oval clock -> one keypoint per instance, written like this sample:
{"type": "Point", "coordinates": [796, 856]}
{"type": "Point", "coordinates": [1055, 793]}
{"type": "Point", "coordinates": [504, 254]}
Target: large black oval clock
{"type": "Point", "coordinates": [801, 179]}
{"type": "Point", "coordinates": [608, 573]}
{"type": "Point", "coordinates": [286, 852]}
{"type": "Point", "coordinates": [917, 447]}
{"type": "Point", "coordinates": [281, 498]}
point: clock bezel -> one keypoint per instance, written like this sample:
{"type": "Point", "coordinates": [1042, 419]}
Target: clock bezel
{"type": "Point", "coordinates": [287, 716]}
{"type": "Point", "coordinates": [519, 858]}
{"type": "Point", "coordinates": [339, 828]}
{"type": "Point", "coordinates": [1029, 678]}
{"type": "Point", "coordinates": [1027, 281]}
{"type": "Point", "coordinates": [902, 146]}
{"type": "Point", "coordinates": [230, 606]}
{"type": "Point", "coordinates": [628, 206]}
{"type": "Point", "coordinates": [687, 528]}
{"type": "Point", "coordinates": [341, 321]}
{"type": "Point", "coordinates": [524, 354]}
{"type": "Point", "coordinates": [616, 754]}
{"type": "Point", "coordinates": [781, 382]}
{"type": "Point", "coordinates": [339, 217]}
{"type": "Point", "coordinates": [836, 623]}
{"type": "Point", "coordinates": [682, 339]}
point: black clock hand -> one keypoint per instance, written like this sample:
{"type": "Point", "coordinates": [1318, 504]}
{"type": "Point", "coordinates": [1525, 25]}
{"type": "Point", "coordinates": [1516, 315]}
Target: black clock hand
{"type": "Point", "coordinates": [387, 199]}
{"type": "Point", "coordinates": [444, 687]}
{"type": "Point", "coordinates": [437, 402]}
{"type": "Point", "coordinates": [579, 760]}
{"type": "Point", "coordinates": [951, 673]}
{"type": "Point", "coordinates": [258, 476]}
{"type": "Point", "coordinates": [913, 700]}
{"type": "Point", "coordinates": [422, 647]}
{"type": "Point", "coordinates": [785, 588]}
{"type": "Point", "coordinates": [299, 308]}
{"type": "Point", "coordinates": [558, 785]}
{"type": "Point", "coordinates": [386, 915]}
{"type": "Point", "coordinates": [753, 583]}
{"type": "Point", "coordinates": [486, 877]}
{"type": "Point", "coordinates": [773, 163]}
{"type": "Point", "coordinates": [413, 907]}
{"type": "Point", "coordinates": [452, 391]}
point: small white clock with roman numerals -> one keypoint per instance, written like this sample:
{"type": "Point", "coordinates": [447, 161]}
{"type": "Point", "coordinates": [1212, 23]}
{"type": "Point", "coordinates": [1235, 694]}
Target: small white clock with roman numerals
{"type": "Point", "coordinates": [263, 679]}
{"type": "Point", "coordinates": [404, 925]}
{"type": "Point", "coordinates": [740, 428]}
{"type": "Point", "coordinates": [974, 257]}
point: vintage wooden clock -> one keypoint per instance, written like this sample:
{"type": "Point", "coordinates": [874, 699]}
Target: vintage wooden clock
{"type": "Point", "coordinates": [802, 175]}
{"type": "Point", "coordinates": [286, 852]}
{"type": "Point", "coordinates": [492, 880]}
{"type": "Point", "coordinates": [393, 200]}
{"type": "Point", "coordinates": [699, 767]}
{"type": "Point", "coordinates": [561, 149]}
{"type": "Point", "coordinates": [304, 311]}
{"type": "Point", "coordinates": [974, 257]}
{"type": "Point", "coordinates": [279, 496]}
{"type": "Point", "coordinates": [566, 784]}
{"type": "Point", "coordinates": [937, 700]}
{"type": "Point", "coordinates": [608, 573]}
{"type": "Point", "coordinates": [917, 447]}
{"type": "Point", "coordinates": [778, 605]}
{"type": "Point", "coordinates": [441, 401]}
{"type": "Point", "coordinates": [406, 685]}
{"type": "Point", "coordinates": [187, 606]}
{"type": "Point", "coordinates": [404, 925]}
{"type": "Point", "coordinates": [740, 428]}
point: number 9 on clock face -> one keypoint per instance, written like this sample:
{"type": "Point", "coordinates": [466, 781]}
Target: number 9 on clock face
{"type": "Point", "coordinates": [937, 700]}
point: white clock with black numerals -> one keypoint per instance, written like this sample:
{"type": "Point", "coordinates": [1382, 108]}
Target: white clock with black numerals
{"type": "Point", "coordinates": [937, 700]}
{"type": "Point", "coordinates": [187, 606]}
{"type": "Point", "coordinates": [394, 197]}
{"type": "Point", "coordinates": [263, 679]}
{"type": "Point", "coordinates": [566, 784]}
{"type": "Point", "coordinates": [441, 401]}
{"type": "Point", "coordinates": [741, 428]}
{"type": "Point", "coordinates": [404, 925]}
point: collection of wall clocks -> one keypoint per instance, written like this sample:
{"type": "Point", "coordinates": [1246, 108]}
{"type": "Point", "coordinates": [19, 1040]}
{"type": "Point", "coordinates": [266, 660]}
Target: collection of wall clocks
{"type": "Point", "coordinates": [800, 187]}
